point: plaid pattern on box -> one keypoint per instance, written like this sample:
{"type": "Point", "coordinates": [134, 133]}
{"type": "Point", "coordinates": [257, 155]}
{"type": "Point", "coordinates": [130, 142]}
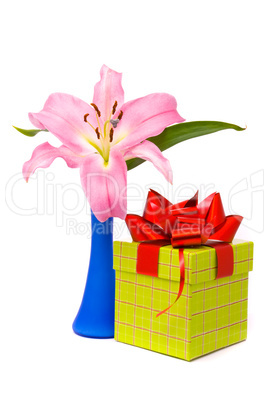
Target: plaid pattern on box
{"type": "Point", "coordinates": [209, 315]}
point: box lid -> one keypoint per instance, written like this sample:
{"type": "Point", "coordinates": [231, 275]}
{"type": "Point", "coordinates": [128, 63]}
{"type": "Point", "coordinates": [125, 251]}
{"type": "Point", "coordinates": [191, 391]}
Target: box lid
{"type": "Point", "coordinates": [200, 262]}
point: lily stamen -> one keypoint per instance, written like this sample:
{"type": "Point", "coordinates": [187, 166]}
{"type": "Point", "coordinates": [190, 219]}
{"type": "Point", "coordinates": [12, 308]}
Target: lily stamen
{"type": "Point", "coordinates": [111, 134]}
{"type": "Point", "coordinates": [86, 120]}
{"type": "Point", "coordinates": [97, 132]}
{"type": "Point", "coordinates": [96, 109]}
{"type": "Point", "coordinates": [98, 114]}
{"type": "Point", "coordinates": [114, 107]}
{"type": "Point", "coordinates": [120, 115]}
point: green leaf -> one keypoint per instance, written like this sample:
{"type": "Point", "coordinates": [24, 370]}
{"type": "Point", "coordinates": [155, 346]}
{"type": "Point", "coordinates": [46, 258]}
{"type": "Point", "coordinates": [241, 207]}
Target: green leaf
{"type": "Point", "coordinates": [29, 133]}
{"type": "Point", "coordinates": [181, 132]}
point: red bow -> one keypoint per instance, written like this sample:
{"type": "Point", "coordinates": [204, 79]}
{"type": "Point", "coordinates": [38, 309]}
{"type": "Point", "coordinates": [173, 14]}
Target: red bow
{"type": "Point", "coordinates": [184, 224]}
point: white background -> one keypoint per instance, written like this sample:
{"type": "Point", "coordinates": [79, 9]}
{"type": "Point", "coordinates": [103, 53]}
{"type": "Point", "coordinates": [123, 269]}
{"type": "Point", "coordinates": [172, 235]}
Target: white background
{"type": "Point", "coordinates": [213, 57]}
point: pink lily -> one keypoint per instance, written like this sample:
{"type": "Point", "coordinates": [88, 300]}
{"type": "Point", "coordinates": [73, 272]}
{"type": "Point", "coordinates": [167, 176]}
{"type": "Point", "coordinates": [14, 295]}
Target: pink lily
{"type": "Point", "coordinates": [99, 138]}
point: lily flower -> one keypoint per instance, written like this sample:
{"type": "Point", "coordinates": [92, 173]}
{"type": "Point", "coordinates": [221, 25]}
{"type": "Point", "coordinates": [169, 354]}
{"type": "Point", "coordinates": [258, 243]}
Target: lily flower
{"type": "Point", "coordinates": [100, 137]}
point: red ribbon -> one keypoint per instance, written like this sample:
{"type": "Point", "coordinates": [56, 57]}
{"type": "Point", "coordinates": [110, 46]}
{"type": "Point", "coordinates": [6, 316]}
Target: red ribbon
{"type": "Point", "coordinates": [183, 225]}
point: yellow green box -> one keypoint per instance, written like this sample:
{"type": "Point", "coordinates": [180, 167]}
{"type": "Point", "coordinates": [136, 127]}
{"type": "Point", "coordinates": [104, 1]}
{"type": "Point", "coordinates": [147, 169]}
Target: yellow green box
{"type": "Point", "coordinates": [209, 315]}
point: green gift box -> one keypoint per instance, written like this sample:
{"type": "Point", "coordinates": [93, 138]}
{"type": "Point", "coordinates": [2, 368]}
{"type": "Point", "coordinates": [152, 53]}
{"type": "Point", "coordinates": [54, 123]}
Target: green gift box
{"type": "Point", "coordinates": [209, 315]}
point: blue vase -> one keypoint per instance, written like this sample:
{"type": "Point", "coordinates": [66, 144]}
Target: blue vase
{"type": "Point", "coordinates": [95, 318]}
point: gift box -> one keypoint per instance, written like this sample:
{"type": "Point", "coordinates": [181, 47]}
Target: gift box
{"type": "Point", "coordinates": [210, 313]}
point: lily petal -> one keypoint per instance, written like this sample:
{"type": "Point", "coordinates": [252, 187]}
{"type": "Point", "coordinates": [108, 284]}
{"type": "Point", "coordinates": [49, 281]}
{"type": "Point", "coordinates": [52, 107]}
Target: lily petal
{"type": "Point", "coordinates": [63, 116]}
{"type": "Point", "coordinates": [107, 91]}
{"type": "Point", "coordinates": [145, 117]}
{"type": "Point", "coordinates": [105, 185]}
{"type": "Point", "coordinates": [150, 152]}
{"type": "Point", "coordinates": [44, 155]}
